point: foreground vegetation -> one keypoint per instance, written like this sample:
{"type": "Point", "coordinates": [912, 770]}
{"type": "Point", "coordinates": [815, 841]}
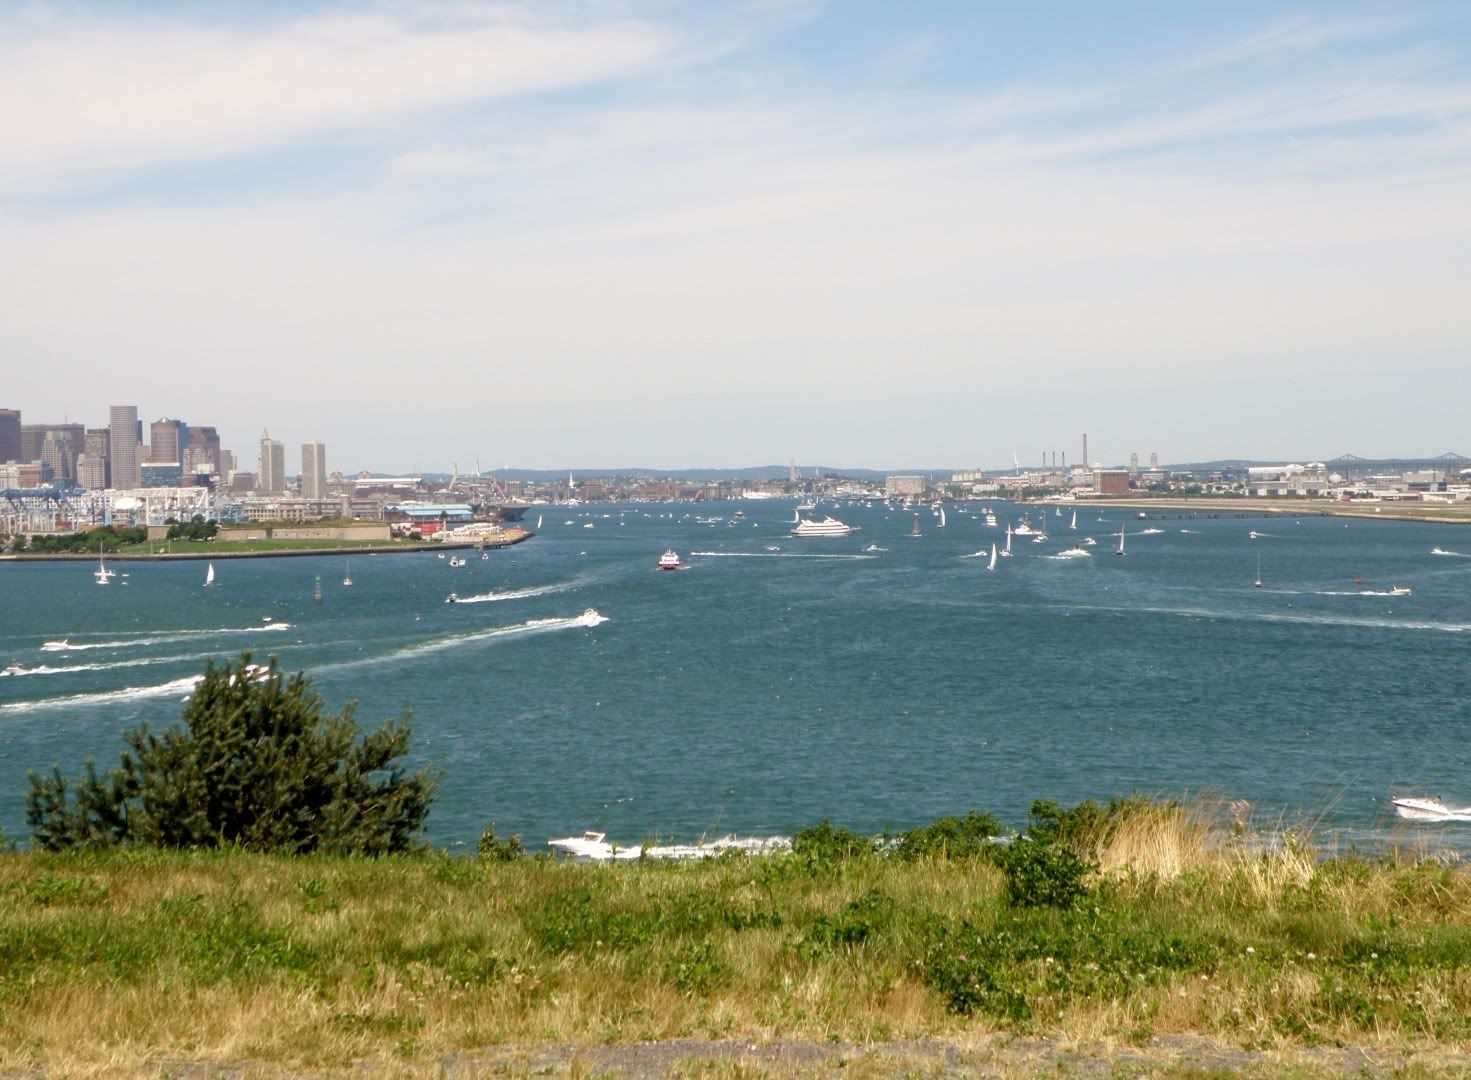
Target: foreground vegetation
{"type": "Point", "coordinates": [1105, 924]}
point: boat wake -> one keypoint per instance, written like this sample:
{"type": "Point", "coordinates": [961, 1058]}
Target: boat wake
{"type": "Point", "coordinates": [158, 638]}
{"type": "Point", "coordinates": [17, 670]}
{"type": "Point", "coordinates": [596, 847]}
{"type": "Point", "coordinates": [182, 687]}
{"type": "Point", "coordinates": [1280, 617]}
{"type": "Point", "coordinates": [1452, 554]}
{"type": "Point", "coordinates": [1149, 532]}
{"type": "Point", "coordinates": [588, 618]}
{"type": "Point", "coordinates": [515, 594]}
{"type": "Point", "coordinates": [773, 555]}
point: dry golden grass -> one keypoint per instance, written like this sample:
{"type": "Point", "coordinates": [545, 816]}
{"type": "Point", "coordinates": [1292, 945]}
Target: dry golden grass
{"type": "Point", "coordinates": [109, 961]}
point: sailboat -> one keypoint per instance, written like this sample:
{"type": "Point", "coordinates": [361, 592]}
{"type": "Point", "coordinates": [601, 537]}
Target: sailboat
{"type": "Point", "coordinates": [317, 590]}
{"type": "Point", "coordinates": [1006, 552]}
{"type": "Point", "coordinates": [1258, 582]}
{"type": "Point", "coordinates": [103, 575]}
{"type": "Point", "coordinates": [209, 576]}
{"type": "Point", "coordinates": [942, 519]}
{"type": "Point", "coordinates": [915, 531]}
{"type": "Point", "coordinates": [347, 573]}
{"type": "Point", "coordinates": [992, 564]}
{"type": "Point", "coordinates": [538, 521]}
{"type": "Point", "coordinates": [1120, 549]}
{"type": "Point", "coordinates": [1074, 523]}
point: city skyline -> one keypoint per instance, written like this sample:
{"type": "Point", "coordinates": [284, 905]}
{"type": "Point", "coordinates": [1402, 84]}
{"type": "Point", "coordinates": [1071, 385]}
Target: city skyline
{"type": "Point", "coordinates": [667, 234]}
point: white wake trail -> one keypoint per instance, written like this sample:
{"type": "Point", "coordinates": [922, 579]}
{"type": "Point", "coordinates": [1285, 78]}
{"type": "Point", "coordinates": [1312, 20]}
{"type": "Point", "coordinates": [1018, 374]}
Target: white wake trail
{"type": "Point", "coordinates": [158, 638]}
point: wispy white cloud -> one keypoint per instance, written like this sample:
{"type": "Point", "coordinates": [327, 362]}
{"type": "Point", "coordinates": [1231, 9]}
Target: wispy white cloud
{"type": "Point", "coordinates": [1303, 34]}
{"type": "Point", "coordinates": [94, 93]}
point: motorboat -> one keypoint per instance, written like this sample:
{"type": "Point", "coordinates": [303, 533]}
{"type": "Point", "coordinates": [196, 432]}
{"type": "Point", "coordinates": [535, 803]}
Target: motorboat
{"type": "Point", "coordinates": [873, 548]}
{"type": "Point", "coordinates": [56, 646]}
{"type": "Point", "coordinates": [827, 527]}
{"type": "Point", "coordinates": [456, 561]}
{"type": "Point", "coordinates": [1074, 553]}
{"type": "Point", "coordinates": [670, 561]}
{"type": "Point", "coordinates": [1088, 541]}
{"type": "Point", "coordinates": [452, 598]}
{"type": "Point", "coordinates": [1429, 808]}
{"type": "Point", "coordinates": [1400, 590]}
{"type": "Point", "coordinates": [591, 845]}
{"type": "Point", "coordinates": [1024, 528]}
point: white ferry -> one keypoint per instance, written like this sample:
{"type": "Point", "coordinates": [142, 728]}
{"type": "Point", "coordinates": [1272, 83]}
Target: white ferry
{"type": "Point", "coordinates": [827, 527]}
{"type": "Point", "coordinates": [670, 561]}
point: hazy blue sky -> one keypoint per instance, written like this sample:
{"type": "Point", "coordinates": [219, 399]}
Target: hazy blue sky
{"type": "Point", "coordinates": [862, 233]}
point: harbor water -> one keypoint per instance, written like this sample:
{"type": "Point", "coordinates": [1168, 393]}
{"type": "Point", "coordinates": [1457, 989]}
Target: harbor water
{"type": "Point", "coordinates": [777, 680]}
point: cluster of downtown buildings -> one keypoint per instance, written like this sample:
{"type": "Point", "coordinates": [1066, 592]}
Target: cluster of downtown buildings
{"type": "Point", "coordinates": [117, 458]}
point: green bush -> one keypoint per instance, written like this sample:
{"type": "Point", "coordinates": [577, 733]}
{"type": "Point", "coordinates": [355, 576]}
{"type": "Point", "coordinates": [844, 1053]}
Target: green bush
{"type": "Point", "coordinates": [1086, 826]}
{"type": "Point", "coordinates": [1042, 874]}
{"type": "Point", "coordinates": [950, 838]}
{"type": "Point", "coordinates": [827, 843]}
{"type": "Point", "coordinates": [258, 764]}
{"type": "Point", "coordinates": [498, 848]}
{"type": "Point", "coordinates": [852, 926]}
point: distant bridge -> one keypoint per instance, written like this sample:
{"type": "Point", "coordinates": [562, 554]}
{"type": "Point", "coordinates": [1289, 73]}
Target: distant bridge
{"type": "Point", "coordinates": [1352, 463]}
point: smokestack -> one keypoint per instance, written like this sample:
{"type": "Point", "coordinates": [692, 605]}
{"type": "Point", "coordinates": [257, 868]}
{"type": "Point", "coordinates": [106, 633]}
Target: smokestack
{"type": "Point", "coordinates": [1085, 449]}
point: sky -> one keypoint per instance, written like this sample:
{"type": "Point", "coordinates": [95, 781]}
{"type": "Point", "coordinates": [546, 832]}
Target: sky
{"type": "Point", "coordinates": [611, 233]}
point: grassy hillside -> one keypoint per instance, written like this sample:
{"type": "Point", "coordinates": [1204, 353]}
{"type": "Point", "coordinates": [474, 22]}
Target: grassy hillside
{"type": "Point", "coordinates": [132, 956]}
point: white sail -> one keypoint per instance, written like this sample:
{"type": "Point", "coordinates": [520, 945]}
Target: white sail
{"type": "Point", "coordinates": [1120, 549]}
{"type": "Point", "coordinates": [209, 576]}
{"type": "Point", "coordinates": [538, 521]}
{"type": "Point", "coordinates": [942, 517]}
{"type": "Point", "coordinates": [1074, 523]}
{"type": "Point", "coordinates": [992, 564]}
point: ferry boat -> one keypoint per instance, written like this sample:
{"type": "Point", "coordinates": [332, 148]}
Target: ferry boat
{"type": "Point", "coordinates": [670, 561]}
{"type": "Point", "coordinates": [827, 527]}
{"type": "Point", "coordinates": [1024, 528]}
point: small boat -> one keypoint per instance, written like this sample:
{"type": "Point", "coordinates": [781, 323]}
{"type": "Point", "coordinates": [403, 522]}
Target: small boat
{"type": "Point", "coordinates": [440, 555]}
{"type": "Point", "coordinates": [1429, 808]}
{"type": "Point", "coordinates": [347, 573]}
{"type": "Point", "coordinates": [1074, 553]}
{"type": "Point", "coordinates": [1253, 534]}
{"type": "Point", "coordinates": [1120, 549]}
{"type": "Point", "coordinates": [915, 531]}
{"type": "Point", "coordinates": [209, 576]}
{"type": "Point", "coordinates": [317, 591]}
{"type": "Point", "coordinates": [102, 575]}
{"type": "Point", "coordinates": [589, 525]}
{"type": "Point", "coordinates": [670, 561]}
{"type": "Point", "coordinates": [1440, 551]}
{"type": "Point", "coordinates": [1400, 590]}
{"type": "Point", "coordinates": [990, 520]}
{"type": "Point", "coordinates": [56, 646]}
{"type": "Point", "coordinates": [456, 561]}
{"type": "Point", "coordinates": [1074, 523]}
{"type": "Point", "coordinates": [1257, 584]}
{"type": "Point", "coordinates": [1006, 551]}
{"type": "Point", "coordinates": [992, 564]}
{"type": "Point", "coordinates": [538, 521]}
{"type": "Point", "coordinates": [1024, 528]}
{"type": "Point", "coordinates": [942, 519]}
{"type": "Point", "coordinates": [1088, 541]}
{"type": "Point", "coordinates": [874, 547]}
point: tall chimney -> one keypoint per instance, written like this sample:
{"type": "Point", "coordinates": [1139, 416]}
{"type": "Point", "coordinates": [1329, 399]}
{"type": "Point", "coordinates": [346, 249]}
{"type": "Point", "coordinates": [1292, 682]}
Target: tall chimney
{"type": "Point", "coordinates": [1085, 449]}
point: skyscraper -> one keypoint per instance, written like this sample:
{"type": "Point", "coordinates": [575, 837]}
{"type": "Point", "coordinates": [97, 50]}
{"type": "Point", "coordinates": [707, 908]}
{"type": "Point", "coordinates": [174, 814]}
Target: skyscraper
{"type": "Point", "coordinates": [271, 474]}
{"type": "Point", "coordinates": [313, 470]}
{"type": "Point", "coordinates": [94, 467]}
{"type": "Point", "coordinates": [1154, 459]}
{"type": "Point", "coordinates": [167, 440]}
{"type": "Point", "coordinates": [126, 434]}
{"type": "Point", "coordinates": [9, 435]}
{"type": "Point", "coordinates": [205, 441]}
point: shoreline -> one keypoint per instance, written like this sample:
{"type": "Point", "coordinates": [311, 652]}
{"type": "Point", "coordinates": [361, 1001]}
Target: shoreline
{"type": "Point", "coordinates": [1276, 508]}
{"type": "Point", "coordinates": [509, 540]}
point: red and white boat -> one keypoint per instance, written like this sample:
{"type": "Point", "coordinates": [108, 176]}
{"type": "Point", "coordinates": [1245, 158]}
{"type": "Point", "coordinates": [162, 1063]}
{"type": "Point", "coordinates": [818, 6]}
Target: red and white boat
{"type": "Point", "coordinates": [670, 561]}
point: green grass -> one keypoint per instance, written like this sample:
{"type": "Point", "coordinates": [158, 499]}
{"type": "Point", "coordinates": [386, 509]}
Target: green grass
{"type": "Point", "coordinates": [315, 962]}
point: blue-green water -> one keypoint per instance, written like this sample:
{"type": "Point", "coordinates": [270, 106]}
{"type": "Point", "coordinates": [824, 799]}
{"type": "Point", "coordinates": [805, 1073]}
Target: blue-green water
{"type": "Point", "coordinates": [759, 692]}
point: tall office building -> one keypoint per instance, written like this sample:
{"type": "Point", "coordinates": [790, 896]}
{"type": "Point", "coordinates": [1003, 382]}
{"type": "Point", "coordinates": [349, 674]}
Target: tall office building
{"type": "Point", "coordinates": [227, 465]}
{"type": "Point", "coordinates": [271, 474]}
{"type": "Point", "coordinates": [1133, 463]}
{"type": "Point", "coordinates": [313, 470]}
{"type": "Point", "coordinates": [204, 442]}
{"type": "Point", "coordinates": [9, 435]}
{"type": "Point", "coordinates": [1154, 459]}
{"type": "Point", "coordinates": [167, 440]}
{"type": "Point", "coordinates": [94, 467]}
{"type": "Point", "coordinates": [126, 434]}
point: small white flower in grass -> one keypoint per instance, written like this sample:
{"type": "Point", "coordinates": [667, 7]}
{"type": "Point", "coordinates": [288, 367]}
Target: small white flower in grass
{"type": "Point", "coordinates": [1249, 950]}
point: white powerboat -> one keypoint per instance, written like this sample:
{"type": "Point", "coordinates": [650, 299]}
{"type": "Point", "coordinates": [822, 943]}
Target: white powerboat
{"type": "Point", "coordinates": [1429, 808]}
{"type": "Point", "coordinates": [670, 561]}
{"type": "Point", "coordinates": [1074, 553]}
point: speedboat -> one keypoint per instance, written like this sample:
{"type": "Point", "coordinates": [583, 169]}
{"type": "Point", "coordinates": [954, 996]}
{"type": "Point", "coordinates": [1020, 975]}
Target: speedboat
{"type": "Point", "coordinates": [56, 646]}
{"type": "Point", "coordinates": [670, 561]}
{"type": "Point", "coordinates": [1024, 528]}
{"type": "Point", "coordinates": [592, 845]}
{"type": "Point", "coordinates": [13, 669]}
{"type": "Point", "coordinates": [1074, 553]}
{"type": "Point", "coordinates": [1088, 541]}
{"type": "Point", "coordinates": [452, 598]}
{"type": "Point", "coordinates": [1429, 808]}
{"type": "Point", "coordinates": [874, 547]}
{"type": "Point", "coordinates": [1400, 590]}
